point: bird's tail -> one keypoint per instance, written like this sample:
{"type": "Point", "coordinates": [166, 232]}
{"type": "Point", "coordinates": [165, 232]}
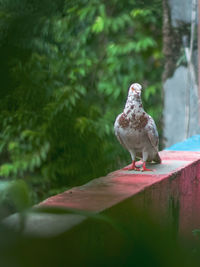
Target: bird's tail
{"type": "Point", "coordinates": [157, 158]}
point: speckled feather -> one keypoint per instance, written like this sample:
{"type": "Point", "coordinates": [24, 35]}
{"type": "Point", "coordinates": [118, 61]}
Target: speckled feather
{"type": "Point", "coordinates": [136, 130]}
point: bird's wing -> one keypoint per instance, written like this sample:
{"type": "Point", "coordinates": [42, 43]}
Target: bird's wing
{"type": "Point", "coordinates": [117, 133]}
{"type": "Point", "coordinates": [152, 133]}
{"type": "Point", "coordinates": [120, 139]}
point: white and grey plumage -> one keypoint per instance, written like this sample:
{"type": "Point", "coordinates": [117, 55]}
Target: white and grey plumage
{"type": "Point", "coordinates": [136, 130]}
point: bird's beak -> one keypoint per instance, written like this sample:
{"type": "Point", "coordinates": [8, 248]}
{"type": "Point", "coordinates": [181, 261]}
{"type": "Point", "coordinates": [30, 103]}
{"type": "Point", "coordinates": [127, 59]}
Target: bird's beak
{"type": "Point", "coordinates": [132, 88]}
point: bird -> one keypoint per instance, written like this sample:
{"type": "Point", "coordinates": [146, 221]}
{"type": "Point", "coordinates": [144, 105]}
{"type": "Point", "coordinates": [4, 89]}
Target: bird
{"type": "Point", "coordinates": [136, 131]}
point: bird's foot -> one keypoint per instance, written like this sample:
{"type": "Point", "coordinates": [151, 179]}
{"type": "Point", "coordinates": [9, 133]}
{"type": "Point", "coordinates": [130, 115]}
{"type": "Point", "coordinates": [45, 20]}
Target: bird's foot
{"type": "Point", "coordinates": [144, 168]}
{"type": "Point", "coordinates": [133, 167]}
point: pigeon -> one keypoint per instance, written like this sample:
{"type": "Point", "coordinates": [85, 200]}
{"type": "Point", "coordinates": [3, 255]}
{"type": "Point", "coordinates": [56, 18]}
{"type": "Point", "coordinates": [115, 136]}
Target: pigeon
{"type": "Point", "coordinates": [136, 131]}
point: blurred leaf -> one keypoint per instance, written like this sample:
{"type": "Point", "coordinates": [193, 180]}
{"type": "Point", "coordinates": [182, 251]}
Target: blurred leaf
{"type": "Point", "coordinates": [15, 193]}
{"type": "Point", "coordinates": [98, 26]}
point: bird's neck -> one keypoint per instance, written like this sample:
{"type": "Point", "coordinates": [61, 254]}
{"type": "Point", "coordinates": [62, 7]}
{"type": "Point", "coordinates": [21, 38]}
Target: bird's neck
{"type": "Point", "coordinates": [133, 105]}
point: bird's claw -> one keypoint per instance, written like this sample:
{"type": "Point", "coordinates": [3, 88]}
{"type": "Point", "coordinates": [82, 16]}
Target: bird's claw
{"type": "Point", "coordinates": [141, 168]}
{"type": "Point", "coordinates": [144, 169]}
{"type": "Point", "coordinates": [131, 168]}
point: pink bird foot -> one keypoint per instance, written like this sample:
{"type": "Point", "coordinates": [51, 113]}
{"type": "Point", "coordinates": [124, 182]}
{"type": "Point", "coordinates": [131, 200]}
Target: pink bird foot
{"type": "Point", "coordinates": [133, 167]}
{"type": "Point", "coordinates": [144, 169]}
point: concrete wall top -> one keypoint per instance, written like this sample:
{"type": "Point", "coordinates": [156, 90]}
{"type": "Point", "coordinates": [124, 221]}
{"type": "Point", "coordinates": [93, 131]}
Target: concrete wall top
{"type": "Point", "coordinates": [175, 181]}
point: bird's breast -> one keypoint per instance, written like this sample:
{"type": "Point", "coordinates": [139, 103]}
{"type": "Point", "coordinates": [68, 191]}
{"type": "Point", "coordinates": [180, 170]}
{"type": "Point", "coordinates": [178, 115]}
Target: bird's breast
{"type": "Point", "coordinates": [133, 120]}
{"type": "Point", "coordinates": [124, 121]}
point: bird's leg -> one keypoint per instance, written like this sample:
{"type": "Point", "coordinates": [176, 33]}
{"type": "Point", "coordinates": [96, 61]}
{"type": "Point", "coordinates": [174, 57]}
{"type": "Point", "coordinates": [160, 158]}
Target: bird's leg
{"type": "Point", "coordinates": [144, 158]}
{"type": "Point", "coordinates": [132, 167]}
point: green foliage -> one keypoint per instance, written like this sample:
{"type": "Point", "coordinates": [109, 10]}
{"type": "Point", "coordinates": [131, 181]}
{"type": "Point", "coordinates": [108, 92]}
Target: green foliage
{"type": "Point", "coordinates": [65, 70]}
{"type": "Point", "coordinates": [14, 196]}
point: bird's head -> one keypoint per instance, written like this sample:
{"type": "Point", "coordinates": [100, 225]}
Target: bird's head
{"type": "Point", "coordinates": [135, 90]}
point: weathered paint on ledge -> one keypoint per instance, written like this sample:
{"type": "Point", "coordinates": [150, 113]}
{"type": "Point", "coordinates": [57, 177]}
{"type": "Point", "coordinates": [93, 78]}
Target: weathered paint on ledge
{"type": "Point", "coordinates": [172, 191]}
{"type": "Point", "coordinates": [104, 192]}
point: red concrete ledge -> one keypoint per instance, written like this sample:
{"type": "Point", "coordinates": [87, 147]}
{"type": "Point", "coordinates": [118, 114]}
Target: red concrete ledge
{"type": "Point", "coordinates": [171, 194]}
{"type": "Point", "coordinates": [104, 192]}
{"type": "Point", "coordinates": [176, 178]}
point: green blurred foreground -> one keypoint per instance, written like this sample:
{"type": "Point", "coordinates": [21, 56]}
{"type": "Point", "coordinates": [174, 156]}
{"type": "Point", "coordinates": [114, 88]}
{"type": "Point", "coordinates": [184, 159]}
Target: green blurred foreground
{"type": "Point", "coordinates": [65, 70]}
{"type": "Point", "coordinates": [123, 240]}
